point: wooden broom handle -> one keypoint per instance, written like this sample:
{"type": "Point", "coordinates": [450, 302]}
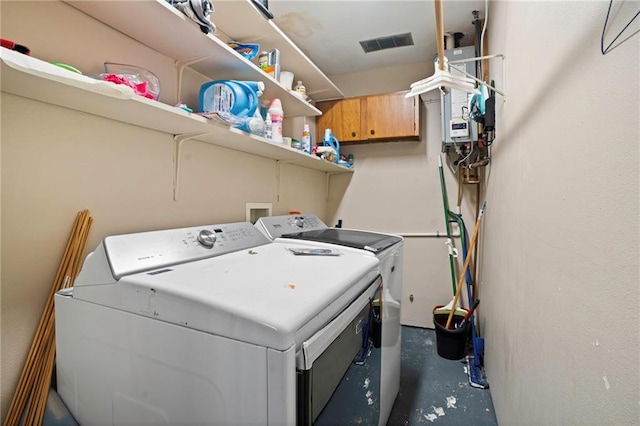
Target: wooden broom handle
{"type": "Point", "coordinates": [440, 33]}
{"type": "Point", "coordinates": [33, 385]}
{"type": "Point", "coordinates": [465, 266]}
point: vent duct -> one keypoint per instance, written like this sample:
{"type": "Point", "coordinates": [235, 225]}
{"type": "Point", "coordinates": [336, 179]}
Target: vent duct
{"type": "Point", "coordinates": [388, 42]}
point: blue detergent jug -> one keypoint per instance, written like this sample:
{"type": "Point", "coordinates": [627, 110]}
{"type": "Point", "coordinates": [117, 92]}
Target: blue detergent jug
{"type": "Point", "coordinates": [331, 141]}
{"type": "Point", "coordinates": [238, 98]}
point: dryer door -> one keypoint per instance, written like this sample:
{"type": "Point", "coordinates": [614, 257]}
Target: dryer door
{"type": "Point", "coordinates": [339, 368]}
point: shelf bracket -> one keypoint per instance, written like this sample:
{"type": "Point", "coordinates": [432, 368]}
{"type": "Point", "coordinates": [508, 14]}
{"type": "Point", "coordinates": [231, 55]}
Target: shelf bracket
{"type": "Point", "coordinates": [279, 164]}
{"type": "Point", "coordinates": [181, 65]}
{"type": "Point", "coordinates": [178, 140]}
{"type": "Point", "coordinates": [328, 179]}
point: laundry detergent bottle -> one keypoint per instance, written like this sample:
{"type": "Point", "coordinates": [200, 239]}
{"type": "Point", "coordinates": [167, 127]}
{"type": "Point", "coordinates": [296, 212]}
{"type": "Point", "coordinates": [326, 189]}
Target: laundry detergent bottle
{"type": "Point", "coordinates": [331, 141]}
{"type": "Point", "coordinates": [231, 97]}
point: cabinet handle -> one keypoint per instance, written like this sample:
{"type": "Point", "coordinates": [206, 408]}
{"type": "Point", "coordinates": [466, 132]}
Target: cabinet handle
{"type": "Point", "coordinates": [353, 134]}
{"type": "Point", "coordinates": [373, 132]}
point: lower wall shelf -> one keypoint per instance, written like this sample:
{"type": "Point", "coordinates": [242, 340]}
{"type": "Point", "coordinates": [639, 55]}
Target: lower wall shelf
{"type": "Point", "coordinates": [35, 79]}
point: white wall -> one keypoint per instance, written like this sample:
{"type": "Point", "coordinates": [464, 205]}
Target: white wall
{"type": "Point", "coordinates": [56, 162]}
{"type": "Point", "coordinates": [560, 271]}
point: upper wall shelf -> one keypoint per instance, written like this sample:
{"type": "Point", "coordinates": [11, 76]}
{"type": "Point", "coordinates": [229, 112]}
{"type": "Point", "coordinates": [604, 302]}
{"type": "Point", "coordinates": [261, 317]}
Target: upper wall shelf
{"type": "Point", "coordinates": [35, 79]}
{"type": "Point", "coordinates": [172, 34]}
{"type": "Point", "coordinates": [255, 28]}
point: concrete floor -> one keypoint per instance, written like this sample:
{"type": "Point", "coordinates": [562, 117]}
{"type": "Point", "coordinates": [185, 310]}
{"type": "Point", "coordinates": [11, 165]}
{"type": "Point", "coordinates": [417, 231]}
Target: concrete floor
{"type": "Point", "coordinates": [432, 390]}
{"type": "Point", "coordinates": [436, 390]}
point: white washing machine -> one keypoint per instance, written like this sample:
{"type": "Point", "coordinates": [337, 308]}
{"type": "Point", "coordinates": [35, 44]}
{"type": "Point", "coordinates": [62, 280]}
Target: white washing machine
{"type": "Point", "coordinates": [216, 325]}
{"type": "Point", "coordinates": [389, 250]}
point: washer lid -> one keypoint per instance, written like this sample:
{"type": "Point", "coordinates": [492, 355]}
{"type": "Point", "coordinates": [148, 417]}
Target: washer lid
{"type": "Point", "coordinates": [265, 295]}
{"type": "Point", "coordinates": [365, 240]}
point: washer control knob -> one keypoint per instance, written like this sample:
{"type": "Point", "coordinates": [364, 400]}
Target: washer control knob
{"type": "Point", "coordinates": [299, 221]}
{"type": "Point", "coordinates": [207, 238]}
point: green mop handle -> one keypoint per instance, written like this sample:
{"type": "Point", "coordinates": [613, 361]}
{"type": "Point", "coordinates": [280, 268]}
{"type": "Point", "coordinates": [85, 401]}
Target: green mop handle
{"type": "Point", "coordinates": [445, 203]}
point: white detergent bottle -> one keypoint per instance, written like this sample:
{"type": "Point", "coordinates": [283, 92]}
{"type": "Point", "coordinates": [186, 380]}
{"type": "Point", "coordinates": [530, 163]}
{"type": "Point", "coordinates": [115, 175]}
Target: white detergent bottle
{"type": "Point", "coordinates": [268, 127]}
{"type": "Point", "coordinates": [307, 144]}
{"type": "Point", "coordinates": [277, 115]}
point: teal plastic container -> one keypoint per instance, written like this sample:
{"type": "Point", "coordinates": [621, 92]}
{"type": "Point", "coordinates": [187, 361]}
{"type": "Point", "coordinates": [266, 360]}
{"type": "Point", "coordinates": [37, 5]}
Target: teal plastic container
{"type": "Point", "coordinates": [238, 98]}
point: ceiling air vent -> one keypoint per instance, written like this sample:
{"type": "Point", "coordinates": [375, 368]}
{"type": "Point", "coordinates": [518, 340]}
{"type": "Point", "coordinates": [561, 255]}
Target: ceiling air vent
{"type": "Point", "coordinates": [389, 42]}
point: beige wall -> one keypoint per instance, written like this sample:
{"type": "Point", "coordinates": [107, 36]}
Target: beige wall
{"type": "Point", "coordinates": [559, 279]}
{"type": "Point", "coordinates": [396, 188]}
{"type": "Point", "coordinates": [56, 162]}
{"type": "Point", "coordinates": [560, 275]}
{"type": "Point", "coordinates": [560, 255]}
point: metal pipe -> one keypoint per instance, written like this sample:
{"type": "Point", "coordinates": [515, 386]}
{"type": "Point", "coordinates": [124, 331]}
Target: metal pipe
{"type": "Point", "coordinates": [476, 79]}
{"type": "Point", "coordinates": [479, 58]}
{"type": "Point", "coordinates": [437, 234]}
{"type": "Point", "coordinates": [461, 61]}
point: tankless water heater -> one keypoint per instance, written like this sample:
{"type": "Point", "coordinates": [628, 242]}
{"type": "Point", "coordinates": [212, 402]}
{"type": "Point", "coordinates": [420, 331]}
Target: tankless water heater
{"type": "Point", "coordinates": [457, 126]}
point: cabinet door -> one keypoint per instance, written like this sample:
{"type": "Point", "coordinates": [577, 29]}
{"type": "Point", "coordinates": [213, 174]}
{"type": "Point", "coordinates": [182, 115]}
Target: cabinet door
{"type": "Point", "coordinates": [391, 116]}
{"type": "Point", "coordinates": [349, 127]}
{"type": "Point", "coordinates": [326, 120]}
{"type": "Point", "coordinates": [343, 117]}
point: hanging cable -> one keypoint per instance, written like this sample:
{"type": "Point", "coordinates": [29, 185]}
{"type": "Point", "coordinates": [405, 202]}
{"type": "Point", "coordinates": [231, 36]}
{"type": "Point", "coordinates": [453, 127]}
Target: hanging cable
{"type": "Point", "coordinates": [471, 151]}
{"type": "Point", "coordinates": [484, 26]}
{"type": "Point", "coordinates": [604, 28]}
{"type": "Point", "coordinates": [450, 165]}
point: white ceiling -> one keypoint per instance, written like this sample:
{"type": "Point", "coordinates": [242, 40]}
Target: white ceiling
{"type": "Point", "coordinates": [329, 31]}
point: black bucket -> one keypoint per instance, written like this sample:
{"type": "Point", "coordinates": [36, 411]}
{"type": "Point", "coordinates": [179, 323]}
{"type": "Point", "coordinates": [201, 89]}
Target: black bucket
{"type": "Point", "coordinates": [452, 342]}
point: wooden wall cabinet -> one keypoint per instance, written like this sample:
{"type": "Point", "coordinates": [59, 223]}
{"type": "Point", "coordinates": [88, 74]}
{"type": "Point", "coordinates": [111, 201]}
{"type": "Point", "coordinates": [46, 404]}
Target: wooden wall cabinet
{"type": "Point", "coordinates": [384, 117]}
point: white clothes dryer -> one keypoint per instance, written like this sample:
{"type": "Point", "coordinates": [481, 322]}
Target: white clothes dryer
{"type": "Point", "coordinates": [213, 325]}
{"type": "Point", "coordinates": [389, 250]}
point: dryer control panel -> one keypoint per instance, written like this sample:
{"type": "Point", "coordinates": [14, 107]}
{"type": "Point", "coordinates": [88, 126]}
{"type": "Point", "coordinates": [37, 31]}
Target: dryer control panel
{"type": "Point", "coordinates": [277, 226]}
{"type": "Point", "coordinates": [145, 251]}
